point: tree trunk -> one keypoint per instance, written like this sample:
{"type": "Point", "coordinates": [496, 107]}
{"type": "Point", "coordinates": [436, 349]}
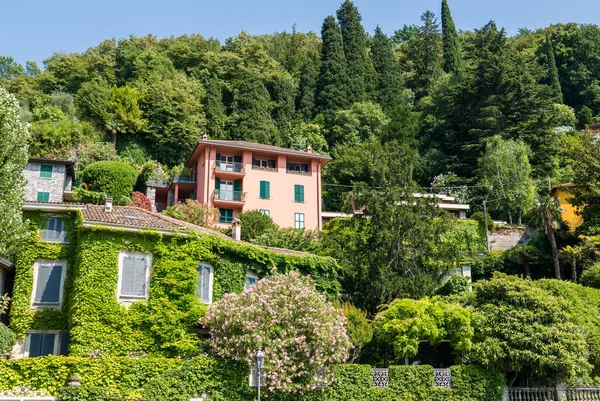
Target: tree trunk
{"type": "Point", "coordinates": [527, 272]}
{"type": "Point", "coordinates": [510, 219]}
{"type": "Point", "coordinates": [552, 239]}
{"type": "Point", "coordinates": [519, 218]}
{"type": "Point", "coordinates": [512, 380]}
{"type": "Point", "coordinates": [114, 139]}
{"type": "Point", "coordinates": [574, 269]}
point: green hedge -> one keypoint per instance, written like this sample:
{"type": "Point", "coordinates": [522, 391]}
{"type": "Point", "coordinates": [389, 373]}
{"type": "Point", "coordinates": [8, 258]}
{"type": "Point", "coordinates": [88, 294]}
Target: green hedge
{"type": "Point", "coordinates": [114, 178]}
{"type": "Point", "coordinates": [169, 379]}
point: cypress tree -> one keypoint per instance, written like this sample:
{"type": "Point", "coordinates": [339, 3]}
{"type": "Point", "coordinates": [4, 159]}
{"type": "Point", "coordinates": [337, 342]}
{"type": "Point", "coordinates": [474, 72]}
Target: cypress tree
{"type": "Point", "coordinates": [214, 108]}
{"type": "Point", "coordinates": [309, 75]}
{"type": "Point", "coordinates": [389, 78]}
{"type": "Point", "coordinates": [332, 84]}
{"type": "Point", "coordinates": [553, 81]}
{"type": "Point", "coordinates": [451, 46]}
{"type": "Point", "coordinates": [355, 50]}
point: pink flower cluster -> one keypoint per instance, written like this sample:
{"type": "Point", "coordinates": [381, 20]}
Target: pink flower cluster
{"type": "Point", "coordinates": [300, 332]}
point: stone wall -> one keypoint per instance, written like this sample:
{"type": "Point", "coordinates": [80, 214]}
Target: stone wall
{"type": "Point", "coordinates": [55, 185]}
{"type": "Point", "coordinates": [504, 239]}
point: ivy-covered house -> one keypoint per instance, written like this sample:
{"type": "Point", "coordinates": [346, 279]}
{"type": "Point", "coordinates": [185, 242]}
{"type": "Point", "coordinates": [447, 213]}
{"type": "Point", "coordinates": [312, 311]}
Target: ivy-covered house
{"type": "Point", "coordinates": [111, 280]}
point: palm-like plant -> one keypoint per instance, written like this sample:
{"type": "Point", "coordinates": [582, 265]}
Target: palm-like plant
{"type": "Point", "coordinates": [570, 255]}
{"type": "Point", "coordinates": [523, 255]}
{"type": "Point", "coordinates": [549, 214]}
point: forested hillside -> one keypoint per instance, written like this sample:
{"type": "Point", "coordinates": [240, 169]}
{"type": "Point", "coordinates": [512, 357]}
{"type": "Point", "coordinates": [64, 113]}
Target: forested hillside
{"type": "Point", "coordinates": [392, 111]}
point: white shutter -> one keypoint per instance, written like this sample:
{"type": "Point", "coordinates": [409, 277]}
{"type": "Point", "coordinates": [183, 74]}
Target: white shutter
{"type": "Point", "coordinates": [127, 276]}
{"type": "Point", "coordinates": [140, 276]}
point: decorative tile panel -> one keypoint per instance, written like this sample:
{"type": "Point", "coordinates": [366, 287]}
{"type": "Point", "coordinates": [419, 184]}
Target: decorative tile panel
{"type": "Point", "coordinates": [381, 377]}
{"type": "Point", "coordinates": [442, 378]}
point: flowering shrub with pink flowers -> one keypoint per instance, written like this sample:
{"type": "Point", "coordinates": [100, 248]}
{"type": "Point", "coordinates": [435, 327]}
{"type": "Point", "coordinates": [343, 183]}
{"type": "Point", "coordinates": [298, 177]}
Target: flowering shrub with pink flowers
{"type": "Point", "coordinates": [300, 332]}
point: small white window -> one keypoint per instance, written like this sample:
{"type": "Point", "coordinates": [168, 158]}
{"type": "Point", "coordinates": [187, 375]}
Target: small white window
{"type": "Point", "coordinates": [48, 284]}
{"type": "Point", "coordinates": [134, 276]}
{"type": "Point", "coordinates": [299, 221]}
{"type": "Point", "coordinates": [251, 279]}
{"type": "Point", "coordinates": [41, 343]}
{"type": "Point", "coordinates": [54, 230]}
{"type": "Point", "coordinates": [205, 283]}
{"type": "Point", "coordinates": [265, 212]}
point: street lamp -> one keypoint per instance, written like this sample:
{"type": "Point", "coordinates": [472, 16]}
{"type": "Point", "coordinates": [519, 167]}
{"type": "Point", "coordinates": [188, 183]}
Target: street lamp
{"type": "Point", "coordinates": [259, 361]}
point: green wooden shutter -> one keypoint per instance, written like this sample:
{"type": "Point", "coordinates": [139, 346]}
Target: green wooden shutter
{"type": "Point", "coordinates": [299, 193]}
{"type": "Point", "coordinates": [46, 171]}
{"type": "Point", "coordinates": [237, 185]}
{"type": "Point", "coordinates": [217, 183]}
{"type": "Point", "coordinates": [265, 190]}
{"type": "Point", "coordinates": [43, 196]}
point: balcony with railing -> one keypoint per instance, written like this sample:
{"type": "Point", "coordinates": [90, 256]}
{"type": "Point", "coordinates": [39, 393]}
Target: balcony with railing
{"type": "Point", "coordinates": [223, 197]}
{"type": "Point", "coordinates": [230, 169]}
{"type": "Point", "coordinates": [180, 179]}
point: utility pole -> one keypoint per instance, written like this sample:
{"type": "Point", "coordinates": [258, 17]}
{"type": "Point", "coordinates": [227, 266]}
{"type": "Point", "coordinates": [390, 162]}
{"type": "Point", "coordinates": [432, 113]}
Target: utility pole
{"type": "Point", "coordinates": [485, 223]}
{"type": "Point", "coordinates": [485, 215]}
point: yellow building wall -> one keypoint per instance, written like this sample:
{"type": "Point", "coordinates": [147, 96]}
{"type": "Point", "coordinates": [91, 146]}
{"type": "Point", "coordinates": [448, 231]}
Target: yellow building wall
{"type": "Point", "coordinates": [569, 214]}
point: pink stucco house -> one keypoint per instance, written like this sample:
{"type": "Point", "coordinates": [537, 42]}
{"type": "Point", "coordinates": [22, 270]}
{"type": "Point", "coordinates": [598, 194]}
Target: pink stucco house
{"type": "Point", "coordinates": [237, 176]}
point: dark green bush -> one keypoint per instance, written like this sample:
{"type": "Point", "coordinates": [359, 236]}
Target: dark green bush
{"type": "Point", "coordinates": [480, 219]}
{"type": "Point", "coordinates": [7, 339]}
{"type": "Point", "coordinates": [591, 276]}
{"type": "Point", "coordinates": [454, 285]}
{"type": "Point", "coordinates": [114, 178]}
{"type": "Point", "coordinates": [85, 393]}
{"type": "Point", "coordinates": [95, 198]}
{"type": "Point", "coordinates": [254, 224]}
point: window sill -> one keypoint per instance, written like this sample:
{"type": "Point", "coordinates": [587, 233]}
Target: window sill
{"type": "Point", "coordinates": [306, 173]}
{"type": "Point", "coordinates": [273, 170]}
{"type": "Point", "coordinates": [44, 305]}
{"type": "Point", "coordinates": [264, 198]}
{"type": "Point", "coordinates": [54, 242]}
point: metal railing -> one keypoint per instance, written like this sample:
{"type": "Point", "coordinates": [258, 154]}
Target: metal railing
{"type": "Point", "coordinates": [227, 195]}
{"type": "Point", "coordinates": [230, 167]}
{"type": "Point", "coordinates": [183, 179]}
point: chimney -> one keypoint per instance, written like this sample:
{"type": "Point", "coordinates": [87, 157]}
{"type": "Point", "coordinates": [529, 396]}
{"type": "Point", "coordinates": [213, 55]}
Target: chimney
{"type": "Point", "coordinates": [108, 205]}
{"type": "Point", "coordinates": [309, 149]}
{"type": "Point", "coordinates": [236, 230]}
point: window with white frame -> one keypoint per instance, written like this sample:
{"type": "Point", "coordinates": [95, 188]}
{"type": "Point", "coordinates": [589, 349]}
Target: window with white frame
{"type": "Point", "coordinates": [205, 283]}
{"type": "Point", "coordinates": [41, 343]}
{"type": "Point", "coordinates": [48, 283]}
{"type": "Point", "coordinates": [134, 276]}
{"type": "Point", "coordinates": [251, 279]}
{"type": "Point", "coordinates": [299, 221]}
{"type": "Point", "coordinates": [54, 230]}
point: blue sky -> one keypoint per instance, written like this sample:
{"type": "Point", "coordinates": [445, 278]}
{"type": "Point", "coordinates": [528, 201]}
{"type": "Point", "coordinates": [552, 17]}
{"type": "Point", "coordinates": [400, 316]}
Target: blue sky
{"type": "Point", "coordinates": [32, 30]}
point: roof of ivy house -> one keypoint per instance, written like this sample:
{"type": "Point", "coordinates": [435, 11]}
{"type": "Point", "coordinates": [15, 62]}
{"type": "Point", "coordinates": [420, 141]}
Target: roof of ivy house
{"type": "Point", "coordinates": [137, 218]}
{"type": "Point", "coordinates": [6, 264]}
{"type": "Point", "coordinates": [258, 147]}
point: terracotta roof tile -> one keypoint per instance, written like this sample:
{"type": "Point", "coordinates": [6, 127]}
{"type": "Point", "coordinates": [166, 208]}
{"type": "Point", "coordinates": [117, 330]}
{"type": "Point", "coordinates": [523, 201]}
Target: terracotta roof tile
{"type": "Point", "coordinates": [126, 216]}
{"type": "Point", "coordinates": [260, 146]}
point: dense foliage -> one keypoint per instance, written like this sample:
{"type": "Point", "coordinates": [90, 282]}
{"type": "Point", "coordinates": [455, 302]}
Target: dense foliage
{"type": "Point", "coordinates": [297, 341]}
{"type": "Point", "coordinates": [13, 158]}
{"type": "Point", "coordinates": [405, 322]}
{"type": "Point", "coordinates": [523, 327]}
{"type": "Point", "coordinates": [163, 379]}
{"type": "Point", "coordinates": [113, 178]}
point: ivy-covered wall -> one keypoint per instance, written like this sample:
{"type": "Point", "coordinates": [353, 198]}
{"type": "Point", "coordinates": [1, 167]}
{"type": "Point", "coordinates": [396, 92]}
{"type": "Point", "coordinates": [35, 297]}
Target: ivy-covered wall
{"type": "Point", "coordinates": [164, 324]}
{"type": "Point", "coordinates": [169, 379]}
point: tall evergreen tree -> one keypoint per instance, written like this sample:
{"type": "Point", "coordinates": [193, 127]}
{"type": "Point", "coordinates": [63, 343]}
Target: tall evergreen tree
{"type": "Point", "coordinates": [355, 50]}
{"type": "Point", "coordinates": [553, 81]}
{"type": "Point", "coordinates": [251, 119]}
{"type": "Point", "coordinates": [332, 86]}
{"type": "Point", "coordinates": [309, 75]}
{"type": "Point", "coordinates": [389, 78]}
{"type": "Point", "coordinates": [451, 46]}
{"type": "Point", "coordinates": [214, 108]}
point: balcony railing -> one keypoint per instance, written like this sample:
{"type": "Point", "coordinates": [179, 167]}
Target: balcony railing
{"type": "Point", "coordinates": [227, 195]}
{"type": "Point", "coordinates": [183, 179]}
{"type": "Point", "coordinates": [229, 167]}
